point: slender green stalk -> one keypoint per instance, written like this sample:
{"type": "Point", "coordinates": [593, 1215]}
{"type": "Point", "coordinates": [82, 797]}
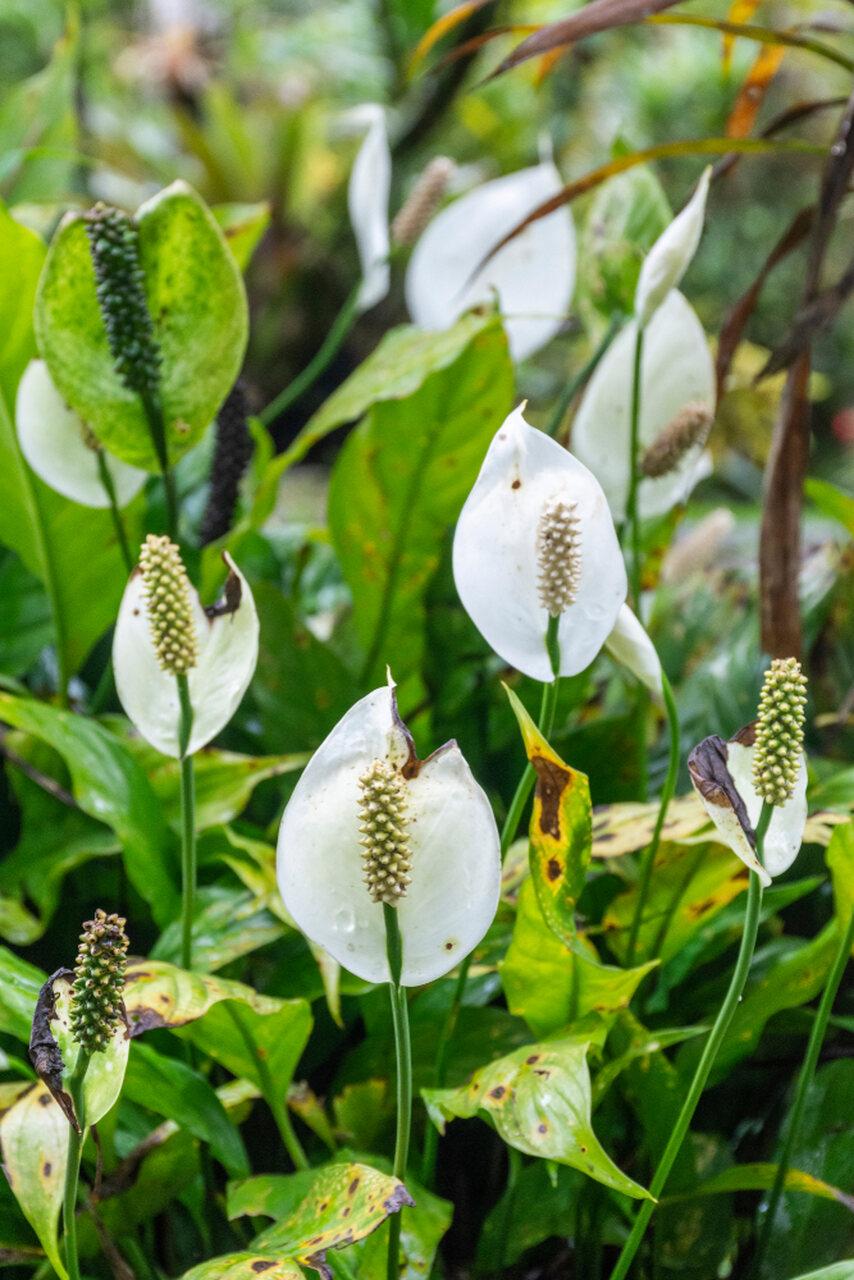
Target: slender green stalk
{"type": "Point", "coordinates": [632, 516]}
{"type": "Point", "coordinates": [118, 523]}
{"type": "Point", "coordinates": [707, 1059]}
{"type": "Point", "coordinates": [586, 372]}
{"type": "Point", "coordinates": [272, 1095]}
{"type": "Point", "coordinates": [403, 1058]}
{"type": "Point", "coordinates": [548, 705]}
{"type": "Point", "coordinates": [154, 416]}
{"type": "Point", "coordinates": [329, 348]}
{"type": "Point", "coordinates": [805, 1079]}
{"type": "Point", "coordinates": [188, 825]}
{"type": "Point", "coordinates": [648, 860]}
{"type": "Point", "coordinates": [72, 1167]}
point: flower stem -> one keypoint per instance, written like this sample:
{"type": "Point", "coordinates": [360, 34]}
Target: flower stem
{"type": "Point", "coordinates": [632, 516]}
{"type": "Point", "coordinates": [710, 1052]}
{"type": "Point", "coordinates": [118, 523]}
{"type": "Point", "coordinates": [188, 825]}
{"type": "Point", "coordinates": [403, 1057]}
{"type": "Point", "coordinates": [648, 861]}
{"type": "Point", "coordinates": [272, 1095]}
{"type": "Point", "coordinates": [548, 704]}
{"type": "Point", "coordinates": [154, 415]}
{"type": "Point", "coordinates": [584, 374]}
{"type": "Point", "coordinates": [72, 1167]}
{"type": "Point", "coordinates": [329, 348]}
{"type": "Point", "coordinates": [805, 1079]}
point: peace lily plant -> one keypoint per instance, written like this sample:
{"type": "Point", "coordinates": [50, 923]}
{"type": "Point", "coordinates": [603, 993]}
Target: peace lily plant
{"type": "Point", "coordinates": [181, 671]}
{"type": "Point", "coordinates": [391, 864]}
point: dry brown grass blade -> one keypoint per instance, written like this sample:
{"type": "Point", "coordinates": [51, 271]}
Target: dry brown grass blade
{"type": "Point", "coordinates": [443, 26]}
{"type": "Point", "coordinates": [599, 15]}
{"type": "Point", "coordinates": [738, 317]}
{"type": "Point", "coordinates": [751, 95]}
{"type": "Point", "coordinates": [739, 11]}
{"type": "Point", "coordinates": [812, 319]}
{"type": "Point", "coordinates": [792, 39]}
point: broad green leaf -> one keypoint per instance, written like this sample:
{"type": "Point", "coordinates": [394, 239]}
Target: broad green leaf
{"type": "Point", "coordinates": [109, 786]}
{"type": "Point", "coordinates": [831, 501]}
{"type": "Point", "coordinates": [690, 884]}
{"type": "Point", "coordinates": [399, 484]}
{"type": "Point", "coordinates": [158, 994]}
{"type": "Point", "coordinates": [402, 362]}
{"type": "Point", "coordinates": [34, 1139]}
{"type": "Point", "coordinates": [20, 984]}
{"type": "Point", "coordinates": [243, 225]}
{"type": "Point", "coordinates": [760, 1177]}
{"type": "Point", "coordinates": [229, 923]}
{"type": "Point", "coordinates": [840, 862]}
{"type": "Point", "coordinates": [18, 925]}
{"type": "Point", "coordinates": [345, 1203]}
{"type": "Point", "coordinates": [173, 1090]}
{"type": "Point", "coordinates": [836, 1271]}
{"type": "Point", "coordinates": [26, 626]}
{"type": "Point", "coordinates": [197, 304]}
{"type": "Point", "coordinates": [22, 254]}
{"type": "Point", "coordinates": [539, 1101]}
{"type": "Point", "coordinates": [246, 1266]}
{"type": "Point", "coordinates": [560, 830]}
{"type": "Point", "coordinates": [549, 984]}
{"type": "Point", "coordinates": [38, 121]}
{"type": "Point", "coordinates": [790, 982]}
{"type": "Point", "coordinates": [810, 1231]}
{"type": "Point", "coordinates": [542, 1202]}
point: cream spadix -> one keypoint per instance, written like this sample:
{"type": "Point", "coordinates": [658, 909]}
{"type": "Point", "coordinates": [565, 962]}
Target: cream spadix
{"type": "Point", "coordinates": [369, 823]}
{"type": "Point", "coordinates": [535, 538]}
{"type": "Point", "coordinates": [61, 449]}
{"type": "Point", "coordinates": [533, 276]}
{"type": "Point", "coordinates": [677, 391]}
{"type": "Point", "coordinates": [367, 200]}
{"type": "Point", "coordinates": [218, 651]}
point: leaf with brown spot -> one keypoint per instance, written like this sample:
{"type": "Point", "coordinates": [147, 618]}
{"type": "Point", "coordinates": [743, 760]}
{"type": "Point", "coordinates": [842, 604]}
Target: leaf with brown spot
{"type": "Point", "coordinates": [318, 1223]}
{"type": "Point", "coordinates": [246, 1266]}
{"type": "Point", "coordinates": [34, 1137]}
{"type": "Point", "coordinates": [538, 1099]}
{"type": "Point", "coordinates": [560, 831]}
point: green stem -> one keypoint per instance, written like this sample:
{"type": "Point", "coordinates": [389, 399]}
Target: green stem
{"type": "Point", "coordinates": [632, 516]}
{"type": "Point", "coordinates": [154, 415]}
{"type": "Point", "coordinates": [548, 705]}
{"type": "Point", "coordinates": [188, 825]}
{"type": "Point", "coordinates": [648, 861]}
{"type": "Point", "coordinates": [805, 1079]}
{"type": "Point", "coordinates": [118, 523]}
{"type": "Point", "coordinates": [341, 326]}
{"type": "Point", "coordinates": [272, 1094]}
{"type": "Point", "coordinates": [403, 1058]}
{"type": "Point", "coordinates": [581, 378]}
{"type": "Point", "coordinates": [72, 1167]}
{"type": "Point", "coordinates": [707, 1059]}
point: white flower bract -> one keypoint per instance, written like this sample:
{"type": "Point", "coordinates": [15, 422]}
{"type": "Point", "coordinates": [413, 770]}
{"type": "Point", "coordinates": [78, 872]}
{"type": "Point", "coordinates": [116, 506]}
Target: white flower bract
{"type": "Point", "coordinates": [670, 256]}
{"type": "Point", "coordinates": [676, 371]}
{"type": "Point", "coordinates": [495, 557]}
{"type": "Point", "coordinates": [533, 276]}
{"type": "Point", "coordinates": [630, 645]}
{"type": "Point", "coordinates": [452, 847]}
{"type": "Point", "coordinates": [367, 200]}
{"type": "Point", "coordinates": [227, 653]}
{"type": "Point", "coordinates": [53, 441]}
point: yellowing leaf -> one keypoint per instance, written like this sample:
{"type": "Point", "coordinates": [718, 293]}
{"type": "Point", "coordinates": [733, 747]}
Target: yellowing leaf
{"type": "Point", "coordinates": [245, 1266]}
{"type": "Point", "coordinates": [34, 1139]}
{"type": "Point", "coordinates": [560, 830]}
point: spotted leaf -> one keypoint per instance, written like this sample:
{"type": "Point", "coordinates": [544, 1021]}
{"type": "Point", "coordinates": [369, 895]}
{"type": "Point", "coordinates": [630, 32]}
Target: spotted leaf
{"type": "Point", "coordinates": [245, 1266]}
{"type": "Point", "coordinates": [34, 1139]}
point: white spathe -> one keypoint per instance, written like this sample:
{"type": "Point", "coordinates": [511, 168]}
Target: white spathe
{"type": "Point", "coordinates": [630, 645]}
{"type": "Point", "coordinates": [785, 832]}
{"type": "Point", "coordinates": [367, 200]}
{"type": "Point", "coordinates": [228, 652]}
{"type": "Point", "coordinates": [456, 861]}
{"type": "Point", "coordinates": [52, 439]}
{"type": "Point", "coordinates": [670, 256]}
{"type": "Point", "coordinates": [495, 552]}
{"type": "Point", "coordinates": [676, 370]}
{"type": "Point", "coordinates": [533, 276]}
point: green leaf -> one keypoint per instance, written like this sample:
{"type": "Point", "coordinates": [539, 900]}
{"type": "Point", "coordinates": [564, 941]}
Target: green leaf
{"type": "Point", "coordinates": [345, 1203]}
{"type": "Point", "coordinates": [760, 1177]}
{"type": "Point", "coordinates": [243, 226]}
{"type": "Point", "coordinates": [38, 122]}
{"type": "Point", "coordinates": [172, 1089]}
{"type": "Point", "coordinates": [26, 626]}
{"type": "Point", "coordinates": [22, 254]}
{"type": "Point", "coordinates": [109, 786]}
{"type": "Point", "coordinates": [543, 1202]}
{"type": "Point", "coordinates": [158, 994]}
{"type": "Point", "coordinates": [197, 304]}
{"type": "Point", "coordinates": [625, 218]}
{"type": "Point", "coordinates": [246, 1266]}
{"type": "Point", "coordinates": [561, 827]}
{"type": "Point", "coordinates": [840, 863]}
{"type": "Point", "coordinates": [228, 923]}
{"type": "Point", "coordinates": [836, 1271]}
{"type": "Point", "coordinates": [831, 501]}
{"type": "Point", "coordinates": [20, 984]}
{"type": "Point", "coordinates": [34, 1139]}
{"type": "Point", "coordinates": [399, 483]}
{"type": "Point", "coordinates": [550, 985]}
{"type": "Point", "coordinates": [539, 1101]}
